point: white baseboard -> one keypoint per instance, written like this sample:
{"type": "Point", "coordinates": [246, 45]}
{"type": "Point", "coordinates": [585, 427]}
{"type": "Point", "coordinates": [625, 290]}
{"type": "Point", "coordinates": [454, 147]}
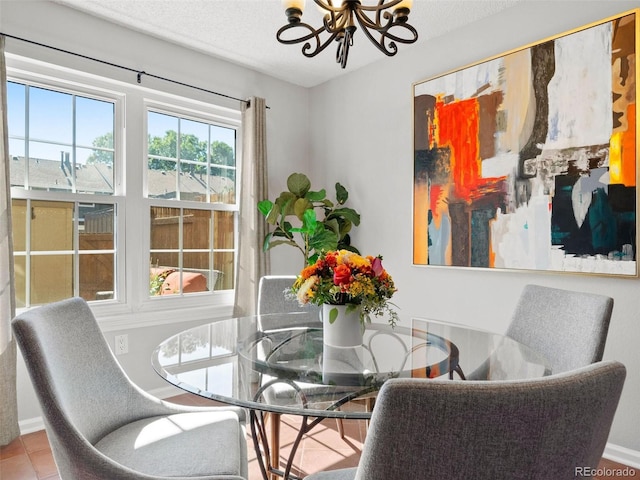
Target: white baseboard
{"type": "Point", "coordinates": [31, 425]}
{"type": "Point", "coordinates": [622, 455]}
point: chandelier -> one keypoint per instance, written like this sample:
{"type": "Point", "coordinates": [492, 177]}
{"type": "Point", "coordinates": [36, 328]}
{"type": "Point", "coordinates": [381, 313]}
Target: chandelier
{"type": "Point", "coordinates": [339, 22]}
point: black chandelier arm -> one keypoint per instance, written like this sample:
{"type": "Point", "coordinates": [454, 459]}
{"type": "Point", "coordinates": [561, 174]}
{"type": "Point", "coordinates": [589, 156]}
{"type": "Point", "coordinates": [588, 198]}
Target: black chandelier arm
{"type": "Point", "coordinates": [389, 49]}
{"type": "Point", "coordinates": [385, 31]}
{"type": "Point", "coordinates": [385, 44]}
{"type": "Point", "coordinates": [366, 22]}
{"type": "Point", "coordinates": [335, 23]}
{"type": "Point", "coordinates": [313, 35]}
{"type": "Point", "coordinates": [395, 38]}
{"type": "Point", "coordinates": [380, 10]}
{"type": "Point", "coordinates": [382, 5]}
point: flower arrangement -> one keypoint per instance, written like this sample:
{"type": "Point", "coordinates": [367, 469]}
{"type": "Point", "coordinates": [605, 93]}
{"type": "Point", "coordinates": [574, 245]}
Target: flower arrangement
{"type": "Point", "coordinates": [342, 277]}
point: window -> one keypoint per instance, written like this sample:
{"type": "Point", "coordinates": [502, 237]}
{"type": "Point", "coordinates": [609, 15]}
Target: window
{"type": "Point", "coordinates": [93, 218]}
{"type": "Point", "coordinates": [61, 147]}
{"type": "Point", "coordinates": [191, 184]}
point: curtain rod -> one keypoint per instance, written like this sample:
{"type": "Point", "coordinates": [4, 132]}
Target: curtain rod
{"type": "Point", "coordinates": [138, 73]}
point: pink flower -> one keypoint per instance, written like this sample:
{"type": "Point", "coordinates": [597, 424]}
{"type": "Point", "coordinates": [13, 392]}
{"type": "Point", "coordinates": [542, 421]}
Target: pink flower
{"type": "Point", "coordinates": [377, 267]}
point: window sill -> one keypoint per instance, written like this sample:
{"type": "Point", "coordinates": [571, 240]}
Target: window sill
{"type": "Point", "coordinates": [163, 312]}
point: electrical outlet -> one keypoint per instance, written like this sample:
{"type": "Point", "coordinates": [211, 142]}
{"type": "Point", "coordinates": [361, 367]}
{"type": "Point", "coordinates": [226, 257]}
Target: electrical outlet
{"type": "Point", "coordinates": [122, 344]}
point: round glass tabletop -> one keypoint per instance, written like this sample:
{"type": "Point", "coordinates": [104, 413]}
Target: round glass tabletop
{"type": "Point", "coordinates": [279, 362]}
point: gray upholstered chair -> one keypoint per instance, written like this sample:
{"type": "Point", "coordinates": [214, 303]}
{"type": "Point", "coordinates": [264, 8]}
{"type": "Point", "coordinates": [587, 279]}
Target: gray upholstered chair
{"type": "Point", "coordinates": [103, 427]}
{"type": "Point", "coordinates": [568, 328]}
{"type": "Point", "coordinates": [544, 429]}
{"type": "Point", "coordinates": [273, 299]}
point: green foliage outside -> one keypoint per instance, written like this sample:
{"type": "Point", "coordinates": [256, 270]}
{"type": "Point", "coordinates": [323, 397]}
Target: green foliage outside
{"type": "Point", "coordinates": [191, 148]}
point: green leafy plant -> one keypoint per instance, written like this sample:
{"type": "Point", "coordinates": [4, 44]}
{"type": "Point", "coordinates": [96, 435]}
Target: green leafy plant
{"type": "Point", "coordinates": [310, 235]}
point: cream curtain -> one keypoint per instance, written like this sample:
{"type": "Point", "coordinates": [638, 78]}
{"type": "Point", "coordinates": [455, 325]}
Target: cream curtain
{"type": "Point", "coordinates": [253, 263]}
{"type": "Point", "coordinates": [8, 400]}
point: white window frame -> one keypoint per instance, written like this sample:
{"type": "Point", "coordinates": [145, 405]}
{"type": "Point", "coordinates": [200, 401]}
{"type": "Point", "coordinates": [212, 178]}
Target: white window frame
{"type": "Point", "coordinates": [62, 85]}
{"type": "Point", "coordinates": [191, 110]}
{"type": "Point", "coordinates": [133, 307]}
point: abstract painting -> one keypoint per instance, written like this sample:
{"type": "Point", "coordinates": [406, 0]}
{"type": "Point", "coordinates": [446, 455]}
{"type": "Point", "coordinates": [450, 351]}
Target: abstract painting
{"type": "Point", "coordinates": [528, 160]}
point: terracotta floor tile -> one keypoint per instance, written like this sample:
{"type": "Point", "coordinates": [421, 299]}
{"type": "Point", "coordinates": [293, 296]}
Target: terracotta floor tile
{"type": "Point", "coordinates": [17, 467]}
{"type": "Point", "coordinates": [43, 463]}
{"type": "Point", "coordinates": [14, 448]}
{"type": "Point", "coordinates": [36, 441]}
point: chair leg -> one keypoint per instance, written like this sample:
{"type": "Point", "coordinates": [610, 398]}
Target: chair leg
{"type": "Point", "coordinates": [368, 405]}
{"type": "Point", "coordinates": [340, 424]}
{"type": "Point", "coordinates": [274, 442]}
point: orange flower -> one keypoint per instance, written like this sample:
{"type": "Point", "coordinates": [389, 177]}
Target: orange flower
{"type": "Point", "coordinates": [341, 275]}
{"type": "Point", "coordinates": [308, 271]}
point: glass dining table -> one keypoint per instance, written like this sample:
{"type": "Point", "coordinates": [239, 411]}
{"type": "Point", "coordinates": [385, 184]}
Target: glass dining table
{"type": "Point", "coordinates": [278, 364]}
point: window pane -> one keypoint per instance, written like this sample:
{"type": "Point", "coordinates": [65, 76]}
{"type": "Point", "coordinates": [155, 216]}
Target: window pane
{"type": "Point", "coordinates": [17, 165]}
{"type": "Point", "coordinates": [161, 178]}
{"type": "Point", "coordinates": [223, 185]}
{"type": "Point", "coordinates": [95, 174]}
{"type": "Point", "coordinates": [97, 281]}
{"type": "Point", "coordinates": [20, 271]}
{"type": "Point", "coordinates": [163, 134]}
{"type": "Point", "coordinates": [197, 276]}
{"type": "Point", "coordinates": [16, 109]}
{"type": "Point", "coordinates": [223, 146]}
{"type": "Point", "coordinates": [196, 229]}
{"type": "Point", "coordinates": [94, 123]}
{"type": "Point", "coordinates": [19, 224]}
{"type": "Point", "coordinates": [223, 230]}
{"type": "Point", "coordinates": [51, 226]}
{"type": "Point", "coordinates": [193, 182]}
{"type": "Point", "coordinates": [165, 228]}
{"type": "Point", "coordinates": [51, 278]}
{"type": "Point", "coordinates": [50, 116]}
{"type": "Point", "coordinates": [224, 261]}
{"type": "Point", "coordinates": [49, 169]}
{"type": "Point", "coordinates": [97, 226]}
{"type": "Point", "coordinates": [193, 140]}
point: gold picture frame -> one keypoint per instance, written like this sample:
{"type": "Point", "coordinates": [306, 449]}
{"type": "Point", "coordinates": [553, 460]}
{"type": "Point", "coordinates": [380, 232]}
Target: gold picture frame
{"type": "Point", "coordinates": [528, 160]}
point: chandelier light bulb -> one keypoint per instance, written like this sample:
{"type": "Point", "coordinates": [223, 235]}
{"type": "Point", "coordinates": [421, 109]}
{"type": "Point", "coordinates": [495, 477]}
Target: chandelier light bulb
{"type": "Point", "coordinates": [299, 4]}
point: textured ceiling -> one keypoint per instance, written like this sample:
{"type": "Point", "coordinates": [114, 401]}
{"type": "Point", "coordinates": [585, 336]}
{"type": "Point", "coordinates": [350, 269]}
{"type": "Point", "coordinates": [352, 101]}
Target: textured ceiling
{"type": "Point", "coordinates": [243, 31]}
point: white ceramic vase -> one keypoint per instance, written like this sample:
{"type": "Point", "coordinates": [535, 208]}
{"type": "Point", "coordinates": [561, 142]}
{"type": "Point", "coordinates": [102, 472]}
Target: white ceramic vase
{"type": "Point", "coordinates": [346, 330]}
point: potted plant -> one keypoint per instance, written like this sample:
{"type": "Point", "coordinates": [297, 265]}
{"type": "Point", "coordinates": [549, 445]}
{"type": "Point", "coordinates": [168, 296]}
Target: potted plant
{"type": "Point", "coordinates": [311, 235]}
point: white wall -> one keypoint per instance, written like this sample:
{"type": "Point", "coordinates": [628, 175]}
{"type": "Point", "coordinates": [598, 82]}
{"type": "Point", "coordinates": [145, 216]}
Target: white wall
{"type": "Point", "coordinates": [362, 126]}
{"type": "Point", "coordinates": [59, 26]}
